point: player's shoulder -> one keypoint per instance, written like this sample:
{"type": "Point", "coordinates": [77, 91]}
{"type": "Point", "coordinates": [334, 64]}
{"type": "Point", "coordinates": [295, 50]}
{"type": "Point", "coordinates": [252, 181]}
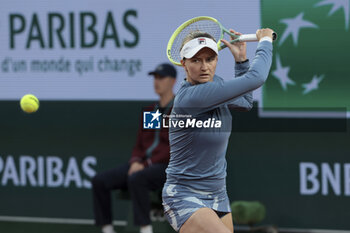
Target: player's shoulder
{"type": "Point", "coordinates": [184, 86]}
{"type": "Point", "coordinates": [217, 78]}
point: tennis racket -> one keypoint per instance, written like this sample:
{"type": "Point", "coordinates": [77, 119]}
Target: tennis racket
{"type": "Point", "coordinates": [204, 24]}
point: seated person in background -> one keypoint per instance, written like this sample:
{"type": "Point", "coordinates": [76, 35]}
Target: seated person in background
{"type": "Point", "coordinates": [145, 170]}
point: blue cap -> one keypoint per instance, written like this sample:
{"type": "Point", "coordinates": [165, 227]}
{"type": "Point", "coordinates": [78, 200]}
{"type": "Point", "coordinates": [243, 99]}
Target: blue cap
{"type": "Point", "coordinates": [164, 69]}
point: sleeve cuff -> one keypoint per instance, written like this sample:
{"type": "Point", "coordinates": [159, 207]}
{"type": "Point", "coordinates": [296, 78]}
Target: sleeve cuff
{"type": "Point", "coordinates": [241, 67]}
{"type": "Point", "coordinates": [266, 38]}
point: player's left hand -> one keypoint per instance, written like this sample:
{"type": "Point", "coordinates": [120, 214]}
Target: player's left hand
{"type": "Point", "coordinates": [238, 49]}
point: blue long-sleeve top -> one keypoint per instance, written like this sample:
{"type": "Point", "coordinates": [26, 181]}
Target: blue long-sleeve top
{"type": "Point", "coordinates": [197, 155]}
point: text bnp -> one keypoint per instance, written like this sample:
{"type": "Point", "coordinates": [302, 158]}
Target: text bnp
{"type": "Point", "coordinates": [324, 179]}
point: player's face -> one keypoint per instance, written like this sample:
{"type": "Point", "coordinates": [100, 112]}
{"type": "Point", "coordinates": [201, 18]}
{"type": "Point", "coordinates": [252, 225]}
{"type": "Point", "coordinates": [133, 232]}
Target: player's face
{"type": "Point", "coordinates": [201, 67]}
{"type": "Point", "coordinates": [162, 84]}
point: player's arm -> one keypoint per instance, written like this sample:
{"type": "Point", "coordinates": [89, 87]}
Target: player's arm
{"type": "Point", "coordinates": [245, 102]}
{"type": "Point", "coordinates": [238, 50]}
{"type": "Point", "coordinates": [212, 94]}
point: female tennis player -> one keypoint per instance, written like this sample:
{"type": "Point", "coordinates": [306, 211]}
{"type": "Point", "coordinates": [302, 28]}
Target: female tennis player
{"type": "Point", "coordinates": [194, 195]}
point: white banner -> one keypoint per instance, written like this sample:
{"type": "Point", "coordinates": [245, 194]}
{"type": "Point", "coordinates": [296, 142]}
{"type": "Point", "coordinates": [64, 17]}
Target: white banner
{"type": "Point", "coordinates": [101, 50]}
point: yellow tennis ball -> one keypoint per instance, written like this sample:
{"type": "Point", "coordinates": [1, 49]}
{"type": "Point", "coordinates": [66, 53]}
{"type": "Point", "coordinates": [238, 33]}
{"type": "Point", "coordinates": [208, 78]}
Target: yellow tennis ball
{"type": "Point", "coordinates": [29, 103]}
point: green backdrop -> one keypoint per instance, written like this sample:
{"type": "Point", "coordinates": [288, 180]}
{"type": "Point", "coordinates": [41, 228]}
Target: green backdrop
{"type": "Point", "coordinates": [263, 158]}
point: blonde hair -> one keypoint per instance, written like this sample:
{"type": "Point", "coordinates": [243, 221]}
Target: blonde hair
{"type": "Point", "coordinates": [195, 34]}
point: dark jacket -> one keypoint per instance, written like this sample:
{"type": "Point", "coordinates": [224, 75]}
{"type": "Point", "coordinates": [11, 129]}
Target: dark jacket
{"type": "Point", "coordinates": [147, 137]}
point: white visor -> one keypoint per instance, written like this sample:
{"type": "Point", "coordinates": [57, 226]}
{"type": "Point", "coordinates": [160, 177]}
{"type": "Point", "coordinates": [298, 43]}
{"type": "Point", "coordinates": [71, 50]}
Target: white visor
{"type": "Point", "coordinates": [193, 46]}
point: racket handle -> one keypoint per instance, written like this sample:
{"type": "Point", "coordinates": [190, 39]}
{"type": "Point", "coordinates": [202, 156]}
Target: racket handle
{"type": "Point", "coordinates": [252, 37]}
{"type": "Point", "coordinates": [247, 38]}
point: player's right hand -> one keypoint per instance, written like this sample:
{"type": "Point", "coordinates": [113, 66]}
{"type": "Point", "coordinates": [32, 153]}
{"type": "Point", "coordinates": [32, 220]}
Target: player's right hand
{"type": "Point", "coordinates": [261, 33]}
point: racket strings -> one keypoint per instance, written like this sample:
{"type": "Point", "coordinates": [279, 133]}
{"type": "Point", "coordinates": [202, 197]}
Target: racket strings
{"type": "Point", "coordinates": [207, 26]}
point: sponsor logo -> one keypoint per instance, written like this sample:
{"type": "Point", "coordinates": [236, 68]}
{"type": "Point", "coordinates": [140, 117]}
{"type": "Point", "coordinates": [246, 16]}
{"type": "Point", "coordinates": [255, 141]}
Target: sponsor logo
{"type": "Point", "coordinates": [47, 171]}
{"type": "Point", "coordinates": [301, 76]}
{"type": "Point", "coordinates": [151, 120]}
{"type": "Point", "coordinates": [192, 123]}
{"type": "Point", "coordinates": [155, 120]}
{"type": "Point", "coordinates": [202, 41]}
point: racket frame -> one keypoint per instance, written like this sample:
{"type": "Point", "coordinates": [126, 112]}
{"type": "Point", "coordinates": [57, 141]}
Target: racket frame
{"type": "Point", "coordinates": [237, 38]}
